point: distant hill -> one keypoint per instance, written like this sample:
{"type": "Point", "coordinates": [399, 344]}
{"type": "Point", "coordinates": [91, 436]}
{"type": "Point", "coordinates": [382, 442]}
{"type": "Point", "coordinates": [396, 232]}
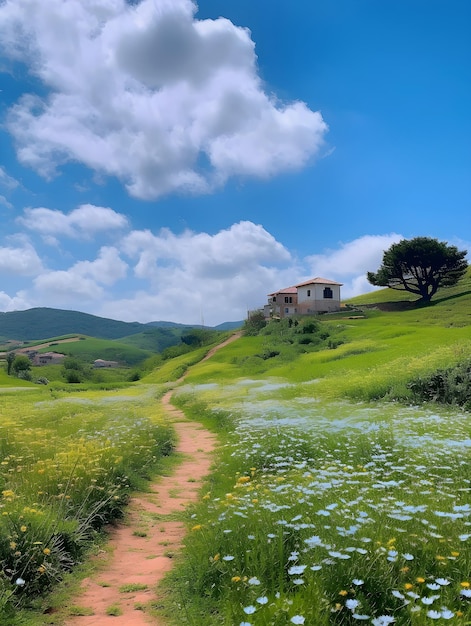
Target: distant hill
{"type": "Point", "coordinates": [38, 323]}
{"type": "Point", "coordinates": [229, 325]}
{"type": "Point", "coordinates": [43, 322]}
{"type": "Point", "coordinates": [155, 338]}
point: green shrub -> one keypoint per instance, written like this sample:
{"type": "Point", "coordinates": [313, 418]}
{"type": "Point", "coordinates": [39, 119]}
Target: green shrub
{"type": "Point", "coordinates": [73, 376]}
{"type": "Point", "coordinates": [254, 323]}
{"type": "Point", "coordinates": [447, 386]}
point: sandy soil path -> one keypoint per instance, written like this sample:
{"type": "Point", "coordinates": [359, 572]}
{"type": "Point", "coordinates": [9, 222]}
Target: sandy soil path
{"type": "Point", "coordinates": [142, 549]}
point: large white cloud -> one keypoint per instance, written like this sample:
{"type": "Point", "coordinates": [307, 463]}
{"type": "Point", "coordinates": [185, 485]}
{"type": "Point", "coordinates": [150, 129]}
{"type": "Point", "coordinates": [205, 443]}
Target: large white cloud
{"type": "Point", "coordinates": [19, 258]}
{"type": "Point", "coordinates": [196, 276]}
{"type": "Point", "coordinates": [189, 277]}
{"type": "Point", "coordinates": [19, 302]}
{"type": "Point", "coordinates": [148, 93]}
{"type": "Point", "coordinates": [351, 261]}
{"type": "Point", "coordinates": [228, 253]}
{"type": "Point", "coordinates": [85, 221]}
{"type": "Point", "coordinates": [83, 282]}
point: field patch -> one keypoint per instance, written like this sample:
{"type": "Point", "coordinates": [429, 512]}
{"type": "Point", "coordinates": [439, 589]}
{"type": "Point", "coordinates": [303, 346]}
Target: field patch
{"type": "Point", "coordinates": [68, 464]}
{"type": "Point", "coordinates": [330, 513]}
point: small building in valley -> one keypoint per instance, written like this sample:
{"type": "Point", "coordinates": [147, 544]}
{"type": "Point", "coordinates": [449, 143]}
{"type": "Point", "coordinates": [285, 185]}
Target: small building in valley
{"type": "Point", "coordinates": [48, 358]}
{"type": "Point", "coordinates": [103, 363]}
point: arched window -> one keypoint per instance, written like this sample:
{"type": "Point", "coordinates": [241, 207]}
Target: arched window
{"type": "Point", "coordinates": [328, 292]}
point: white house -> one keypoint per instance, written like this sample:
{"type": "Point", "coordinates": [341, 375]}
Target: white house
{"type": "Point", "coordinates": [317, 295]}
{"type": "Point", "coordinates": [104, 363]}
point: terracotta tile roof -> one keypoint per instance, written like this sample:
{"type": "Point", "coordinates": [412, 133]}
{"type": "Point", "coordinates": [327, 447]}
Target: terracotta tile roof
{"type": "Point", "coordinates": [318, 281]}
{"type": "Point", "coordinates": [286, 290]}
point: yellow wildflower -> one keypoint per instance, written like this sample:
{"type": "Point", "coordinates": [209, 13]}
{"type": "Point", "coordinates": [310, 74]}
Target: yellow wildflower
{"type": "Point", "coordinates": [197, 527]}
{"type": "Point", "coordinates": [343, 593]}
{"type": "Point", "coordinates": [243, 479]}
{"type": "Point", "coordinates": [23, 529]}
{"type": "Point", "coordinates": [419, 579]}
{"type": "Point", "coordinates": [465, 584]}
{"type": "Point", "coordinates": [408, 586]}
{"type": "Point", "coordinates": [46, 551]}
{"type": "Point", "coordinates": [235, 579]}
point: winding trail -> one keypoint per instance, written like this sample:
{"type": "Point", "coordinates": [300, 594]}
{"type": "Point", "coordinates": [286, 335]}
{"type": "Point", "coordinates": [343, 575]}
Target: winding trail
{"type": "Point", "coordinates": [142, 549]}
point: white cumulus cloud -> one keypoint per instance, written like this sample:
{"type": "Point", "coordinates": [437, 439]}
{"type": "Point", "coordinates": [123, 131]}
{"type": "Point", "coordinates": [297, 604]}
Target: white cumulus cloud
{"type": "Point", "coordinates": [228, 253]}
{"type": "Point", "coordinates": [197, 275]}
{"type": "Point", "coordinates": [19, 302]}
{"type": "Point", "coordinates": [189, 277]}
{"type": "Point", "coordinates": [83, 282]}
{"type": "Point", "coordinates": [19, 259]}
{"type": "Point", "coordinates": [351, 261]}
{"type": "Point", "coordinates": [150, 94]}
{"type": "Point", "coordinates": [83, 222]}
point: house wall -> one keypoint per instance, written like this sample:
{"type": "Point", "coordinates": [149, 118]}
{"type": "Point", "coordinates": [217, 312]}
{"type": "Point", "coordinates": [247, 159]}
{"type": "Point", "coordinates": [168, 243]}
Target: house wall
{"type": "Point", "coordinates": [281, 305]}
{"type": "Point", "coordinates": [49, 358]}
{"type": "Point", "coordinates": [315, 301]}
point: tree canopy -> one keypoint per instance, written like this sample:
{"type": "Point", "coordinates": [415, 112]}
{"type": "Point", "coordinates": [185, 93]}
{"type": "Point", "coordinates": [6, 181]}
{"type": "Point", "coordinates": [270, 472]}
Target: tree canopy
{"type": "Point", "coordinates": [420, 265]}
{"type": "Point", "coordinates": [20, 366]}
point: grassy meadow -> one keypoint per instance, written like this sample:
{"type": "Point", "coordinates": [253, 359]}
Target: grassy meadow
{"type": "Point", "coordinates": [339, 494]}
{"type": "Point", "coordinates": [68, 462]}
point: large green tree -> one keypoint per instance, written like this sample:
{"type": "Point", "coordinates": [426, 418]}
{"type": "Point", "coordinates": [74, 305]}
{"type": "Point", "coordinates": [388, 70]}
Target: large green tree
{"type": "Point", "coordinates": [420, 265]}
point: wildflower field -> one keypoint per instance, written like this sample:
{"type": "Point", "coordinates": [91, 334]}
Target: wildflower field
{"type": "Point", "coordinates": [68, 462]}
{"type": "Point", "coordinates": [329, 513]}
{"type": "Point", "coordinates": [337, 497]}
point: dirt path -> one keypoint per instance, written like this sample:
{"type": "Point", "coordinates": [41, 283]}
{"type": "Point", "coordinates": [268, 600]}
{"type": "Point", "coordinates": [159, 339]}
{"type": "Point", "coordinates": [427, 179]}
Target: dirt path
{"type": "Point", "coordinates": [142, 550]}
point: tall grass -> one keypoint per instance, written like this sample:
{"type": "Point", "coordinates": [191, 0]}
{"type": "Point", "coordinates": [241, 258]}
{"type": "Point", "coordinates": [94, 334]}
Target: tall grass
{"type": "Point", "coordinates": [321, 514]}
{"type": "Point", "coordinates": [327, 506]}
{"type": "Point", "coordinates": [67, 466]}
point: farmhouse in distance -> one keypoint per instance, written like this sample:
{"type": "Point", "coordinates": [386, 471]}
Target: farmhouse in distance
{"type": "Point", "coordinates": [317, 295]}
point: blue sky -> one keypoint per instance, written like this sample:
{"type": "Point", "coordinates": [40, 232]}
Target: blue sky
{"type": "Point", "coordinates": [163, 161]}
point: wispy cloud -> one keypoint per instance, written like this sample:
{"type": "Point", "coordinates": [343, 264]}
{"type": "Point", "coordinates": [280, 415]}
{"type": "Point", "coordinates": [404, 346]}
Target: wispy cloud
{"type": "Point", "coordinates": [7, 181]}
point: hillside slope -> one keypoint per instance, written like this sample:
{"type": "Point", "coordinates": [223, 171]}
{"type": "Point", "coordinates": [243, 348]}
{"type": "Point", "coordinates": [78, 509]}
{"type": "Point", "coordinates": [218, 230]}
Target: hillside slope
{"type": "Point", "coordinates": [372, 352]}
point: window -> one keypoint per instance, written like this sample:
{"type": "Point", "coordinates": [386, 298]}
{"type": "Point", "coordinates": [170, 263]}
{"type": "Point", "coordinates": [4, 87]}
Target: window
{"type": "Point", "coordinates": [286, 299]}
{"type": "Point", "coordinates": [286, 310]}
{"type": "Point", "coordinates": [274, 299]}
{"type": "Point", "coordinates": [328, 293]}
{"type": "Point", "coordinates": [308, 293]}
